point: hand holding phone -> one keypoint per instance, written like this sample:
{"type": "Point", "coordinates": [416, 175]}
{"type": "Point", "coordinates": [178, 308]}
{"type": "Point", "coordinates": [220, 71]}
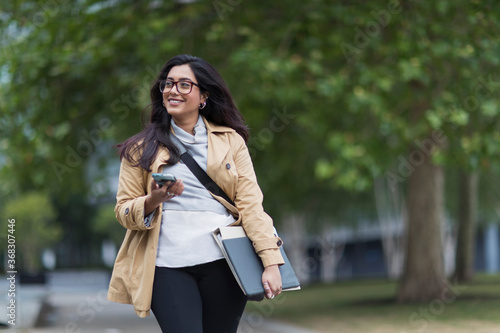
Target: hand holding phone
{"type": "Point", "coordinates": [162, 178]}
{"type": "Point", "coordinates": [174, 187]}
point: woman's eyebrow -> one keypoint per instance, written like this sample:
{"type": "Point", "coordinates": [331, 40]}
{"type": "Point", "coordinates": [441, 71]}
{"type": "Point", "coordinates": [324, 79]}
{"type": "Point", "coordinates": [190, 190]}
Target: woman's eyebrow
{"type": "Point", "coordinates": [181, 79]}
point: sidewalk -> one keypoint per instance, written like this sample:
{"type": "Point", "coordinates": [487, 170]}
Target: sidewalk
{"type": "Point", "coordinates": [75, 302]}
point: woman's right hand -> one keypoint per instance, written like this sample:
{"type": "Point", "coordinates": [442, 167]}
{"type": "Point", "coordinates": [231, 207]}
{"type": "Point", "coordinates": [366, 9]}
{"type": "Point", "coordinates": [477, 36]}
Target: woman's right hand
{"type": "Point", "coordinates": [158, 194]}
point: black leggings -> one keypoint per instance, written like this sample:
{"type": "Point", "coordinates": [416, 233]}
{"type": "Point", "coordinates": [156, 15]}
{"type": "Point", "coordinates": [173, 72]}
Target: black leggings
{"type": "Point", "coordinates": [199, 299]}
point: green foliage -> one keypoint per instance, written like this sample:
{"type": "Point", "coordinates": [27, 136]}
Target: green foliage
{"type": "Point", "coordinates": [35, 227]}
{"type": "Point", "coordinates": [409, 77]}
{"type": "Point", "coordinates": [334, 93]}
{"type": "Point", "coordinates": [105, 224]}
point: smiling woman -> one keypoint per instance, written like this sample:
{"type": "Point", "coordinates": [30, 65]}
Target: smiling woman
{"type": "Point", "coordinates": [180, 99]}
{"type": "Point", "coordinates": [169, 263]}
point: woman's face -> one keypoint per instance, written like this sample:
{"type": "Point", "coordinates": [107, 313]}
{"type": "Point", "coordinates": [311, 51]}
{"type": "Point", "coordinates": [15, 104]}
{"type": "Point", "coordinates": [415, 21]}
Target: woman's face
{"type": "Point", "coordinates": [180, 106]}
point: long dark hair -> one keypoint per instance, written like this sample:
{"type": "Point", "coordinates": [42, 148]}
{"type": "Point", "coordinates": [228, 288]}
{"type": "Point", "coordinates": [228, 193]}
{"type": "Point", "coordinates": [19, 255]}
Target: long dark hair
{"type": "Point", "coordinates": [220, 109]}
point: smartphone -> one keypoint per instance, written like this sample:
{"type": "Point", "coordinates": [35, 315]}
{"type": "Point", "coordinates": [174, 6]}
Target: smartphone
{"type": "Point", "coordinates": [162, 178]}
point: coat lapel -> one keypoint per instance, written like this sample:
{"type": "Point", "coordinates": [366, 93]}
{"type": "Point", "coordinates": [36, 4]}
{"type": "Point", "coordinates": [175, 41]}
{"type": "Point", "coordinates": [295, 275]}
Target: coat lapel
{"type": "Point", "coordinates": [218, 148]}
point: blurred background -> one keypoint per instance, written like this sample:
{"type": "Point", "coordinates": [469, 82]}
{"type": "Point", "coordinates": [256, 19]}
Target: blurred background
{"type": "Point", "coordinates": [374, 135]}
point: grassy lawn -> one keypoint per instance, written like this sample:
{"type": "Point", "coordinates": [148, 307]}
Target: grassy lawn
{"type": "Point", "coordinates": [368, 306]}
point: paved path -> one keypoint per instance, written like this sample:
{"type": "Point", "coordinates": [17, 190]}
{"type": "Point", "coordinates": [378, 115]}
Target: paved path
{"type": "Point", "coordinates": [76, 303]}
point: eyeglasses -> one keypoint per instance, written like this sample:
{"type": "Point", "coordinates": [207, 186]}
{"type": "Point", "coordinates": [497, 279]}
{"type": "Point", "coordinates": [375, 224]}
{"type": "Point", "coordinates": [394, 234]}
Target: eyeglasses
{"type": "Point", "coordinates": [183, 87]}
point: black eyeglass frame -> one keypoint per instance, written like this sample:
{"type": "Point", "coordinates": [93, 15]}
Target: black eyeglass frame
{"type": "Point", "coordinates": [176, 87]}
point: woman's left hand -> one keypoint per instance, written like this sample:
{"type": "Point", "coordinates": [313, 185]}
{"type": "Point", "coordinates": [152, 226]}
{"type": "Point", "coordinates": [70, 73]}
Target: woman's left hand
{"type": "Point", "coordinates": [271, 280]}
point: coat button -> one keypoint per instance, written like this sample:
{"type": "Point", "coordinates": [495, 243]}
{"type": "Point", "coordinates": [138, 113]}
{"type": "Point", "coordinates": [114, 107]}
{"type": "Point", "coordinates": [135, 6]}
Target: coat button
{"type": "Point", "coordinates": [279, 243]}
{"type": "Point", "coordinates": [127, 211]}
{"type": "Point", "coordinates": [228, 166]}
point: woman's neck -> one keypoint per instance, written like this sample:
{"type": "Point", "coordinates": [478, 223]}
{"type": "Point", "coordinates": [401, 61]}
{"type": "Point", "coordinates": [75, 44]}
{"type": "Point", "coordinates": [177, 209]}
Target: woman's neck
{"type": "Point", "coordinates": [186, 124]}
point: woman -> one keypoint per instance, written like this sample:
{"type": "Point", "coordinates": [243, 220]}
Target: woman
{"type": "Point", "coordinates": [168, 261]}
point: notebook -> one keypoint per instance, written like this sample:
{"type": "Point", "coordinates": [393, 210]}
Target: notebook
{"type": "Point", "coordinates": [246, 265]}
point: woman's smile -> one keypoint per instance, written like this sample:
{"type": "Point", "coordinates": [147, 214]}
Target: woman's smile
{"type": "Point", "coordinates": [174, 101]}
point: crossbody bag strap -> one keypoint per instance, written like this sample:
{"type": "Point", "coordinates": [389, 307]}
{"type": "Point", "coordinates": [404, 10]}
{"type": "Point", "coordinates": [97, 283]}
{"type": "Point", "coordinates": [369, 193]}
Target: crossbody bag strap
{"type": "Point", "coordinates": [198, 172]}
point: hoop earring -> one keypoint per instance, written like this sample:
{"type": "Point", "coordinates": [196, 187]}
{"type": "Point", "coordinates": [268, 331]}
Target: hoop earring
{"type": "Point", "coordinates": [202, 106]}
{"type": "Point", "coordinates": [163, 102]}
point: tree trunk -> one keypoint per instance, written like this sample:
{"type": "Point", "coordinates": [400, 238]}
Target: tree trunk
{"type": "Point", "coordinates": [329, 254]}
{"type": "Point", "coordinates": [423, 278]}
{"type": "Point", "coordinates": [466, 240]}
{"type": "Point", "coordinates": [391, 211]}
{"type": "Point", "coordinates": [449, 250]}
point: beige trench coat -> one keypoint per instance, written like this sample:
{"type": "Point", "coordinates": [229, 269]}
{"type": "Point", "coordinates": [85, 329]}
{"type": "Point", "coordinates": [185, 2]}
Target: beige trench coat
{"type": "Point", "coordinates": [230, 166]}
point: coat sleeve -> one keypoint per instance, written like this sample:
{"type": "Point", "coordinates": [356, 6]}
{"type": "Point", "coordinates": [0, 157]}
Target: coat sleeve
{"type": "Point", "coordinates": [130, 198]}
{"type": "Point", "coordinates": [257, 223]}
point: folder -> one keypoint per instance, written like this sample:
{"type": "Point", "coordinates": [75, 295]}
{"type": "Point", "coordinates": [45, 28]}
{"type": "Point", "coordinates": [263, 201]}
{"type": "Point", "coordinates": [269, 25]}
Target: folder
{"type": "Point", "coordinates": [246, 265]}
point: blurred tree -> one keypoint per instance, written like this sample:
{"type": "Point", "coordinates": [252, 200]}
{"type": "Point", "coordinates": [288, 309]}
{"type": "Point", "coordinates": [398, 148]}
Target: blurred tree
{"type": "Point", "coordinates": [468, 113]}
{"type": "Point", "coordinates": [380, 96]}
{"type": "Point", "coordinates": [88, 67]}
{"type": "Point", "coordinates": [34, 228]}
{"type": "Point", "coordinates": [105, 225]}
{"type": "Point", "coordinates": [335, 95]}
{"type": "Point", "coordinates": [416, 94]}
{"type": "Point", "coordinates": [467, 216]}
{"type": "Point", "coordinates": [76, 80]}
